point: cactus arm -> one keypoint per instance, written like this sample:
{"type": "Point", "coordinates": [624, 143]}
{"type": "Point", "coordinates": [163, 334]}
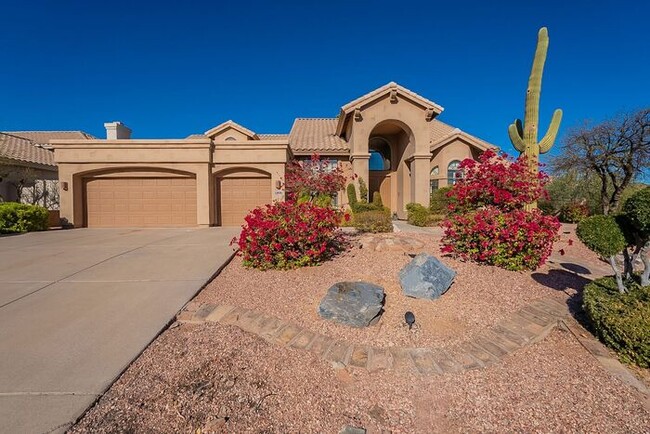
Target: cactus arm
{"type": "Point", "coordinates": [549, 138]}
{"type": "Point", "coordinates": [516, 135]}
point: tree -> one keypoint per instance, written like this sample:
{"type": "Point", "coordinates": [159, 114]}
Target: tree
{"type": "Point", "coordinates": [616, 151]}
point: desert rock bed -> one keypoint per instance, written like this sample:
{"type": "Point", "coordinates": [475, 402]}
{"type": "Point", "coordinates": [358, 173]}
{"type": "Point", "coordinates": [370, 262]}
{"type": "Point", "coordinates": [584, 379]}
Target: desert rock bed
{"type": "Point", "coordinates": [479, 298]}
{"type": "Point", "coordinates": [216, 378]}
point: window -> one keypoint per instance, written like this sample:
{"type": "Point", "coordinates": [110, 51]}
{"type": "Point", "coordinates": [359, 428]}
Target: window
{"type": "Point", "coordinates": [379, 154]}
{"type": "Point", "coordinates": [230, 139]}
{"type": "Point", "coordinates": [453, 172]}
{"type": "Point", "coordinates": [433, 181]}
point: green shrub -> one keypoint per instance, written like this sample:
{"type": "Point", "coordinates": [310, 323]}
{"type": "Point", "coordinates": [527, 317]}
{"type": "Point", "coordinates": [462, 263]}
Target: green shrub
{"type": "Point", "coordinates": [637, 209]}
{"type": "Point", "coordinates": [438, 202]}
{"type": "Point", "coordinates": [352, 195]}
{"type": "Point", "coordinates": [602, 235]}
{"type": "Point", "coordinates": [373, 221]}
{"type": "Point", "coordinates": [417, 215]}
{"type": "Point", "coordinates": [363, 191]}
{"type": "Point", "coordinates": [18, 217]}
{"type": "Point", "coordinates": [622, 321]}
{"type": "Point", "coordinates": [376, 200]}
{"type": "Point", "coordinates": [573, 213]}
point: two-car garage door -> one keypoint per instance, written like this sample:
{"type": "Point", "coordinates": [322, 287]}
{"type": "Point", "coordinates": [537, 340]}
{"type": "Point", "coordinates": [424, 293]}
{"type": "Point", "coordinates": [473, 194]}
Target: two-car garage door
{"type": "Point", "coordinates": [140, 202]}
{"type": "Point", "coordinates": [168, 201]}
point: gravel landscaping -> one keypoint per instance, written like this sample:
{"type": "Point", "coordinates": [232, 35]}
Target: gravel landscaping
{"type": "Point", "coordinates": [219, 379]}
{"type": "Point", "coordinates": [480, 297]}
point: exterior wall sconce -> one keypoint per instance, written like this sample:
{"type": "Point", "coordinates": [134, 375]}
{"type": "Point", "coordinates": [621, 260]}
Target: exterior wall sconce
{"type": "Point", "coordinates": [64, 186]}
{"type": "Point", "coordinates": [278, 185]}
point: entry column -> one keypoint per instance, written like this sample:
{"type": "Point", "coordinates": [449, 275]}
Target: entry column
{"type": "Point", "coordinates": [420, 179]}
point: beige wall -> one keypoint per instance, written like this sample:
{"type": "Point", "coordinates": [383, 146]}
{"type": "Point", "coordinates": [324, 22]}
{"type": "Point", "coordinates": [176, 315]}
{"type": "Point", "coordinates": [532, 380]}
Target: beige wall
{"type": "Point", "coordinates": [455, 150]}
{"type": "Point", "coordinates": [199, 158]}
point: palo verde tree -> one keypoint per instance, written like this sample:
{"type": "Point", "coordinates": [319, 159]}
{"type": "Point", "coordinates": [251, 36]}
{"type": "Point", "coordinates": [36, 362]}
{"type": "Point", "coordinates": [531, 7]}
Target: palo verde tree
{"type": "Point", "coordinates": [616, 151]}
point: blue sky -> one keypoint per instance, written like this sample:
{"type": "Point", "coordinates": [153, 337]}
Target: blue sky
{"type": "Point", "coordinates": [169, 69]}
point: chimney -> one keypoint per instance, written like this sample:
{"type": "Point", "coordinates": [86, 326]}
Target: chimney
{"type": "Point", "coordinates": [117, 130]}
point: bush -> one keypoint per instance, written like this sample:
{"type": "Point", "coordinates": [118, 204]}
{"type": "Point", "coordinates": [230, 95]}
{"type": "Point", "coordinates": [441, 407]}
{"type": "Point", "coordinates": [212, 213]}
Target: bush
{"type": "Point", "coordinates": [573, 213]}
{"type": "Point", "coordinates": [622, 321]}
{"type": "Point", "coordinates": [373, 221]}
{"type": "Point", "coordinates": [637, 210]}
{"type": "Point", "coordinates": [287, 235]}
{"type": "Point", "coordinates": [439, 201]}
{"type": "Point", "coordinates": [352, 196]}
{"type": "Point", "coordinates": [376, 200]}
{"type": "Point", "coordinates": [487, 220]}
{"type": "Point", "coordinates": [514, 240]}
{"type": "Point", "coordinates": [602, 235]}
{"type": "Point", "coordinates": [312, 178]}
{"type": "Point", "coordinates": [19, 217]}
{"type": "Point", "coordinates": [417, 215]}
{"type": "Point", "coordinates": [363, 191]}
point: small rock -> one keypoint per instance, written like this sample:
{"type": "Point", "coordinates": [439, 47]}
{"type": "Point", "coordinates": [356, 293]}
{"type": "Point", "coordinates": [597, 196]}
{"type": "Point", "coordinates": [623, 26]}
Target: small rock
{"type": "Point", "coordinates": [426, 277]}
{"type": "Point", "coordinates": [357, 304]}
{"type": "Point", "coordinates": [352, 430]}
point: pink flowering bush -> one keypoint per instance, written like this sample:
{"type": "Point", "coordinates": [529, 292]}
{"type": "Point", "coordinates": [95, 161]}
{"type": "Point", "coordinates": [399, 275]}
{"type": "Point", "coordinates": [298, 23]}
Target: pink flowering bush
{"type": "Point", "coordinates": [488, 222]}
{"type": "Point", "coordinates": [313, 178]}
{"type": "Point", "coordinates": [286, 235]}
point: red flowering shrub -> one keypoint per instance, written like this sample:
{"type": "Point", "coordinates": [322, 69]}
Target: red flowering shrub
{"type": "Point", "coordinates": [487, 222]}
{"type": "Point", "coordinates": [514, 240]}
{"type": "Point", "coordinates": [287, 235]}
{"type": "Point", "coordinates": [498, 181]}
{"type": "Point", "coordinates": [313, 178]}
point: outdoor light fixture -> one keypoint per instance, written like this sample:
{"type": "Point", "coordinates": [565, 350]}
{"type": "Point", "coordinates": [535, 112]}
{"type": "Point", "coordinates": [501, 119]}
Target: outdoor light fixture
{"type": "Point", "coordinates": [409, 317]}
{"type": "Point", "coordinates": [64, 186]}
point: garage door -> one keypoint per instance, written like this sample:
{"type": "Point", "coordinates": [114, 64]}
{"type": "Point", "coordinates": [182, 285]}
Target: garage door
{"type": "Point", "coordinates": [140, 202]}
{"type": "Point", "coordinates": [240, 195]}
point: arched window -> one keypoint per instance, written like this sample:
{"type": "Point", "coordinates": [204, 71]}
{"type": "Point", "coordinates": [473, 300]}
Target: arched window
{"type": "Point", "coordinates": [452, 172]}
{"type": "Point", "coordinates": [433, 179]}
{"type": "Point", "coordinates": [379, 154]}
{"type": "Point", "coordinates": [230, 139]}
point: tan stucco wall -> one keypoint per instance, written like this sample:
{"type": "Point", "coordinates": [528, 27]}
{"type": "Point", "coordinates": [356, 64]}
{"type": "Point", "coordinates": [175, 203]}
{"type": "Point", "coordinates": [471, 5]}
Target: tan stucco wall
{"type": "Point", "coordinates": [198, 158]}
{"type": "Point", "coordinates": [441, 157]}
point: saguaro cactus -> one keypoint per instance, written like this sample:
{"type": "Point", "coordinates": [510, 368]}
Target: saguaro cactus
{"type": "Point", "coordinates": [524, 137]}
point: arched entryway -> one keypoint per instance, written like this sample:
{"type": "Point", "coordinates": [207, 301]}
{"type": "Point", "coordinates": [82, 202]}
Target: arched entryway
{"type": "Point", "coordinates": [387, 171]}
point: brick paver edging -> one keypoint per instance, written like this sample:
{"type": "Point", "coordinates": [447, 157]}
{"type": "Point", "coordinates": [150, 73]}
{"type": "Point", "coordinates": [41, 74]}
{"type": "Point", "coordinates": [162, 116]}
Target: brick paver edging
{"type": "Point", "coordinates": [530, 324]}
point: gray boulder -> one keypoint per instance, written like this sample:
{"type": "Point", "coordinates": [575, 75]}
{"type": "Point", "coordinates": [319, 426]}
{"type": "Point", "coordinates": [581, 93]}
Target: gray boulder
{"type": "Point", "coordinates": [355, 304]}
{"type": "Point", "coordinates": [425, 277]}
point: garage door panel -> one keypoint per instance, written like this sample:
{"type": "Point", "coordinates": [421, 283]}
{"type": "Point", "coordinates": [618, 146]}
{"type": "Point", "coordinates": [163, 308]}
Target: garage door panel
{"type": "Point", "coordinates": [140, 202]}
{"type": "Point", "coordinates": [239, 195]}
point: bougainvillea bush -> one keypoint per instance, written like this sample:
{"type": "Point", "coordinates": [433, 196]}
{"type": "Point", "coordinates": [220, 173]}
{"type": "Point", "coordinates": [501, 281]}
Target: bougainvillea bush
{"type": "Point", "coordinates": [488, 221]}
{"type": "Point", "coordinates": [313, 178]}
{"type": "Point", "coordinates": [286, 235]}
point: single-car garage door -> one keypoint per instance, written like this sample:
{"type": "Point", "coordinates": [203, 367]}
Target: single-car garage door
{"type": "Point", "coordinates": [140, 202]}
{"type": "Point", "coordinates": [240, 195]}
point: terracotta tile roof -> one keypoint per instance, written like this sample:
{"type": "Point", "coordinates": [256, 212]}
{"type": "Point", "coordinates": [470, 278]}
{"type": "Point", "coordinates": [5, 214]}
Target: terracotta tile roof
{"type": "Point", "coordinates": [440, 131]}
{"type": "Point", "coordinates": [21, 149]}
{"type": "Point", "coordinates": [44, 137]}
{"type": "Point", "coordinates": [197, 136]}
{"type": "Point", "coordinates": [316, 135]}
{"type": "Point", "coordinates": [273, 136]}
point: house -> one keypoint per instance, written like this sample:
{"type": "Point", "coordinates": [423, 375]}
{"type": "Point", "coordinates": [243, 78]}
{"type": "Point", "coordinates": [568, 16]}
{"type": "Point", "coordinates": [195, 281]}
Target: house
{"type": "Point", "coordinates": [28, 172]}
{"type": "Point", "coordinates": [390, 137]}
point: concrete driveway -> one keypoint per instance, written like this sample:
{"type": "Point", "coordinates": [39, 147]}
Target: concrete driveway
{"type": "Point", "coordinates": [77, 306]}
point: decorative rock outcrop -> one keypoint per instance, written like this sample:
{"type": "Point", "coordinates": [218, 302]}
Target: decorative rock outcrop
{"type": "Point", "coordinates": [425, 277]}
{"type": "Point", "coordinates": [382, 243]}
{"type": "Point", "coordinates": [355, 304]}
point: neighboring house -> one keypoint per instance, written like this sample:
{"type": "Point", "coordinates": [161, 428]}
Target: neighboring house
{"type": "Point", "coordinates": [390, 137]}
{"type": "Point", "coordinates": [28, 172]}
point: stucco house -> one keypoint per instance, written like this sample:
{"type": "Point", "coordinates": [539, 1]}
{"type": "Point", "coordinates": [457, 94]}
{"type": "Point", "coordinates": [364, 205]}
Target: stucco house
{"type": "Point", "coordinates": [390, 137]}
{"type": "Point", "coordinates": [28, 172]}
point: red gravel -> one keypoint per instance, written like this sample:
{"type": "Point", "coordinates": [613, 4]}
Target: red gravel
{"type": "Point", "coordinates": [219, 379]}
{"type": "Point", "coordinates": [480, 297]}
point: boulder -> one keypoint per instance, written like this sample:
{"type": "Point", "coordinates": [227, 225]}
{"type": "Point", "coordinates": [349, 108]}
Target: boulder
{"type": "Point", "coordinates": [355, 304]}
{"type": "Point", "coordinates": [425, 277]}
